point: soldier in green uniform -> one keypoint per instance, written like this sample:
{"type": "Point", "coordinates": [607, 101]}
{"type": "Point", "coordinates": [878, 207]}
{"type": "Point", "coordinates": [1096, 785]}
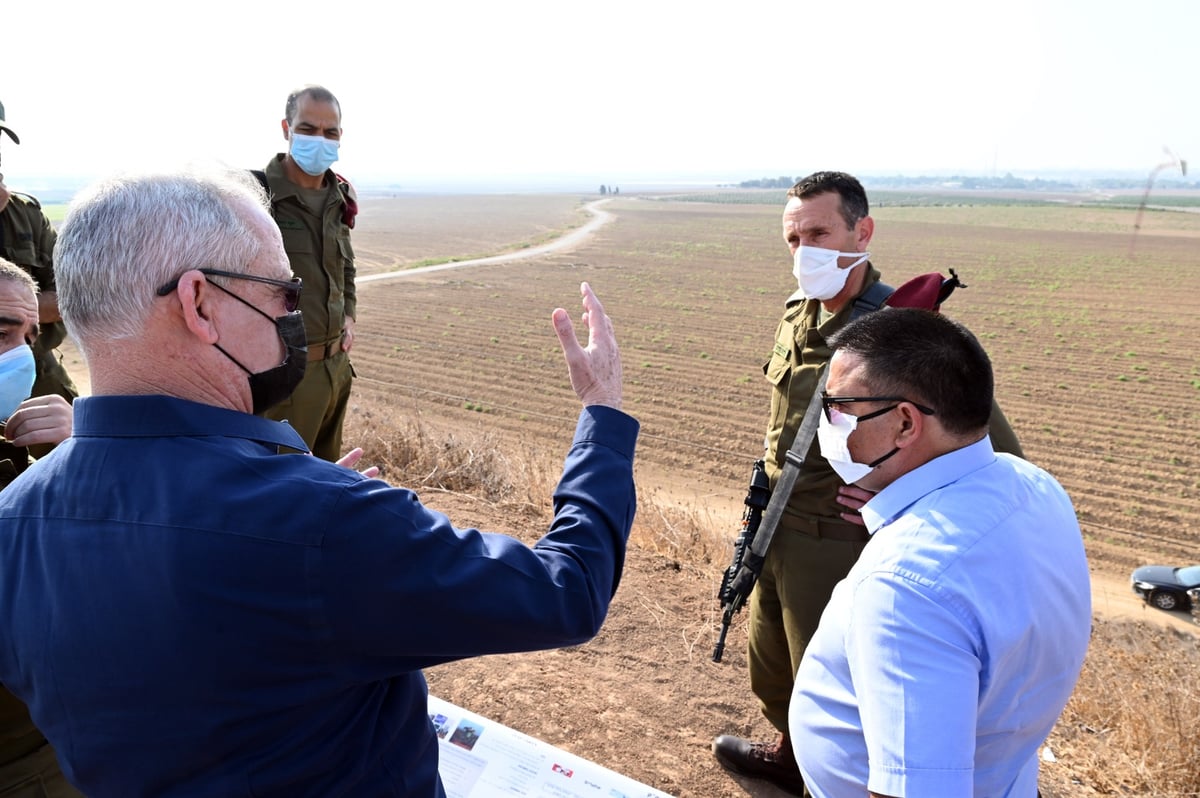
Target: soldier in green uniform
{"type": "Point", "coordinates": [827, 228]}
{"type": "Point", "coordinates": [27, 239]}
{"type": "Point", "coordinates": [28, 767]}
{"type": "Point", "coordinates": [315, 210]}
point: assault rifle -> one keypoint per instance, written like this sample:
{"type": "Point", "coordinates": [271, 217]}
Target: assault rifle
{"type": "Point", "coordinates": [734, 592]}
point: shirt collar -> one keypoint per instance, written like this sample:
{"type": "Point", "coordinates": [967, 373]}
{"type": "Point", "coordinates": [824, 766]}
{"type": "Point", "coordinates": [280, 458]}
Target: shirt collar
{"type": "Point", "coordinates": [897, 497]}
{"type": "Point", "coordinates": [166, 416]}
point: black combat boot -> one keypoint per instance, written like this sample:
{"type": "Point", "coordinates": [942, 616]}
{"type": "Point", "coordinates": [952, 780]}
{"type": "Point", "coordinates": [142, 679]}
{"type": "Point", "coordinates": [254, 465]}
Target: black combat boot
{"type": "Point", "coordinates": [774, 762]}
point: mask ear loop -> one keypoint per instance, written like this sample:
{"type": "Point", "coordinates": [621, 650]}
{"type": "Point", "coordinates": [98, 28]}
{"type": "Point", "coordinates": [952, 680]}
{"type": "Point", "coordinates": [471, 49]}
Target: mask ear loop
{"type": "Point", "coordinates": [863, 258]}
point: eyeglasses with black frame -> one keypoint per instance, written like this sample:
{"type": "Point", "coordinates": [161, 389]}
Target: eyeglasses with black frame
{"type": "Point", "coordinates": [828, 401]}
{"type": "Point", "coordinates": [291, 288]}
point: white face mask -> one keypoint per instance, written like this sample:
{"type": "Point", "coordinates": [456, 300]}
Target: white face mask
{"type": "Point", "coordinates": [817, 271]}
{"type": "Point", "coordinates": [834, 437]}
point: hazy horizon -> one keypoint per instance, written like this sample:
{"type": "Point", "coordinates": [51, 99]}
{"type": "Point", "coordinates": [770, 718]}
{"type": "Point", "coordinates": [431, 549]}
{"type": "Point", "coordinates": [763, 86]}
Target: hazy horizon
{"type": "Point", "coordinates": [533, 89]}
{"type": "Point", "coordinates": [59, 189]}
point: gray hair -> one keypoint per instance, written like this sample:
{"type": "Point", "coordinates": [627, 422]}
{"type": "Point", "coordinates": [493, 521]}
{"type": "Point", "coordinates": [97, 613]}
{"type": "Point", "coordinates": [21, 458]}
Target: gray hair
{"type": "Point", "coordinates": [126, 236]}
{"type": "Point", "coordinates": [12, 273]}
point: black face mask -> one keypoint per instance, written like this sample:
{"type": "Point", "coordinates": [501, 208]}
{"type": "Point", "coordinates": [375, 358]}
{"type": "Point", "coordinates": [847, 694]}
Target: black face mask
{"type": "Point", "coordinates": [269, 388]}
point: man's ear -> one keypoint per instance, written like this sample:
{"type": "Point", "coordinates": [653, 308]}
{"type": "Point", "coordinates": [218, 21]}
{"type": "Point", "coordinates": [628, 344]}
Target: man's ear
{"type": "Point", "coordinates": [287, 133]}
{"type": "Point", "coordinates": [196, 297]}
{"type": "Point", "coordinates": [866, 229]}
{"type": "Point", "coordinates": [913, 424]}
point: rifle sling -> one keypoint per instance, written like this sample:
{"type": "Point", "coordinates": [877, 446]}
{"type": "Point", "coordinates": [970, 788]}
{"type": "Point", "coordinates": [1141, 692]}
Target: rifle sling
{"type": "Point", "coordinates": [793, 460]}
{"type": "Point", "coordinates": [871, 300]}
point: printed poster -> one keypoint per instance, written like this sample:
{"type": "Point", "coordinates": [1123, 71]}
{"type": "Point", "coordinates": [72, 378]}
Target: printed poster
{"type": "Point", "coordinates": [479, 758]}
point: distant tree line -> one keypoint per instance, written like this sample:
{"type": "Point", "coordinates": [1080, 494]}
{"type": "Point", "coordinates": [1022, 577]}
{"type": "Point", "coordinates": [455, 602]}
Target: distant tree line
{"type": "Point", "coordinates": [769, 182]}
{"type": "Point", "coordinates": [607, 190]}
{"type": "Point", "coordinates": [1007, 182]}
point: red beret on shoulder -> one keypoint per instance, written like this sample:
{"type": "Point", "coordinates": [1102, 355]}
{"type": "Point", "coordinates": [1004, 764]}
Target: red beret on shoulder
{"type": "Point", "coordinates": [926, 291]}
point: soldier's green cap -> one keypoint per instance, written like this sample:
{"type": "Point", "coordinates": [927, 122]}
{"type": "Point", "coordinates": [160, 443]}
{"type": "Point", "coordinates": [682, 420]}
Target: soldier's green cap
{"type": "Point", "coordinates": [6, 128]}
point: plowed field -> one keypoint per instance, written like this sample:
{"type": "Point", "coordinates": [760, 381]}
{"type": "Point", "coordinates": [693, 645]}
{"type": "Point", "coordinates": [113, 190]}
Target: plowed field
{"type": "Point", "coordinates": [1094, 349]}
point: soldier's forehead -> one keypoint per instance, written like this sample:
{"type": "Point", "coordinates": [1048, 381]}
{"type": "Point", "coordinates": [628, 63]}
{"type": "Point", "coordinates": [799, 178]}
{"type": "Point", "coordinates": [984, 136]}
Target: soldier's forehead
{"type": "Point", "coordinates": [16, 294]}
{"type": "Point", "coordinates": [310, 106]}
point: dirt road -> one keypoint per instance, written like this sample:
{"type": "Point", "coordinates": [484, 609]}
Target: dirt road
{"type": "Point", "coordinates": [565, 242]}
{"type": "Point", "coordinates": [1112, 597]}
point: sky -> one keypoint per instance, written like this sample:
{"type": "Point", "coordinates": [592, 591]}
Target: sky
{"type": "Point", "coordinates": [619, 92]}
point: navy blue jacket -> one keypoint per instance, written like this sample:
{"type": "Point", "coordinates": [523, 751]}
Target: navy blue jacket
{"type": "Point", "coordinates": [189, 613]}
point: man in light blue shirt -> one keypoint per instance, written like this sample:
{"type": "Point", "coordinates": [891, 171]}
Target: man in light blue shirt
{"type": "Point", "coordinates": [946, 655]}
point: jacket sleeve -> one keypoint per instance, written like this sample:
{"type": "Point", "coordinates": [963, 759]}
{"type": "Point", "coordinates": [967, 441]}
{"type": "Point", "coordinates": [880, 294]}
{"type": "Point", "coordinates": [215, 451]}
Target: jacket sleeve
{"type": "Point", "coordinates": [349, 291]}
{"type": "Point", "coordinates": [405, 589]}
{"type": "Point", "coordinates": [350, 269]}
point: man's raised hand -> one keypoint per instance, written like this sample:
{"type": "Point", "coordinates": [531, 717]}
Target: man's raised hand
{"type": "Point", "coordinates": [595, 370]}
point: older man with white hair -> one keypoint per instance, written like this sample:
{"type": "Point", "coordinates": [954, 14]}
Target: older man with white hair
{"type": "Point", "coordinates": [176, 625]}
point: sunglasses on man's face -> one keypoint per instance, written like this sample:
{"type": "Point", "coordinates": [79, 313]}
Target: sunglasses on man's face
{"type": "Point", "coordinates": [291, 288]}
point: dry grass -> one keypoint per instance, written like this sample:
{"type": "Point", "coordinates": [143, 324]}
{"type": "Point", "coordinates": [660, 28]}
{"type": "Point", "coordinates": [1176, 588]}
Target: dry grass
{"type": "Point", "coordinates": [1132, 727]}
{"type": "Point", "coordinates": [417, 454]}
{"type": "Point", "coordinates": [680, 533]}
{"type": "Point", "coordinates": [412, 453]}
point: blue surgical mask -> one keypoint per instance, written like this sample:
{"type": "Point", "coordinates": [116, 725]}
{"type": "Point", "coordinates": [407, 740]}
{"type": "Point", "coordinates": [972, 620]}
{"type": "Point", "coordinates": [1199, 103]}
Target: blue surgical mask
{"type": "Point", "coordinates": [314, 154]}
{"type": "Point", "coordinates": [17, 372]}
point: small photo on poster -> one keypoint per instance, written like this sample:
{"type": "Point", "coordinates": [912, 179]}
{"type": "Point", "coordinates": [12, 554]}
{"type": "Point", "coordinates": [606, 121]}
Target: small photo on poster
{"type": "Point", "coordinates": [441, 725]}
{"type": "Point", "coordinates": [466, 735]}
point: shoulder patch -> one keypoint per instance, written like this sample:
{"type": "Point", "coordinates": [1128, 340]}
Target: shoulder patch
{"type": "Point", "coordinates": [290, 224]}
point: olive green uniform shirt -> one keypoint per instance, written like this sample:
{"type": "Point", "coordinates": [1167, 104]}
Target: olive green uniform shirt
{"type": "Point", "coordinates": [318, 245]}
{"type": "Point", "coordinates": [27, 239]}
{"type": "Point", "coordinates": [317, 241]}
